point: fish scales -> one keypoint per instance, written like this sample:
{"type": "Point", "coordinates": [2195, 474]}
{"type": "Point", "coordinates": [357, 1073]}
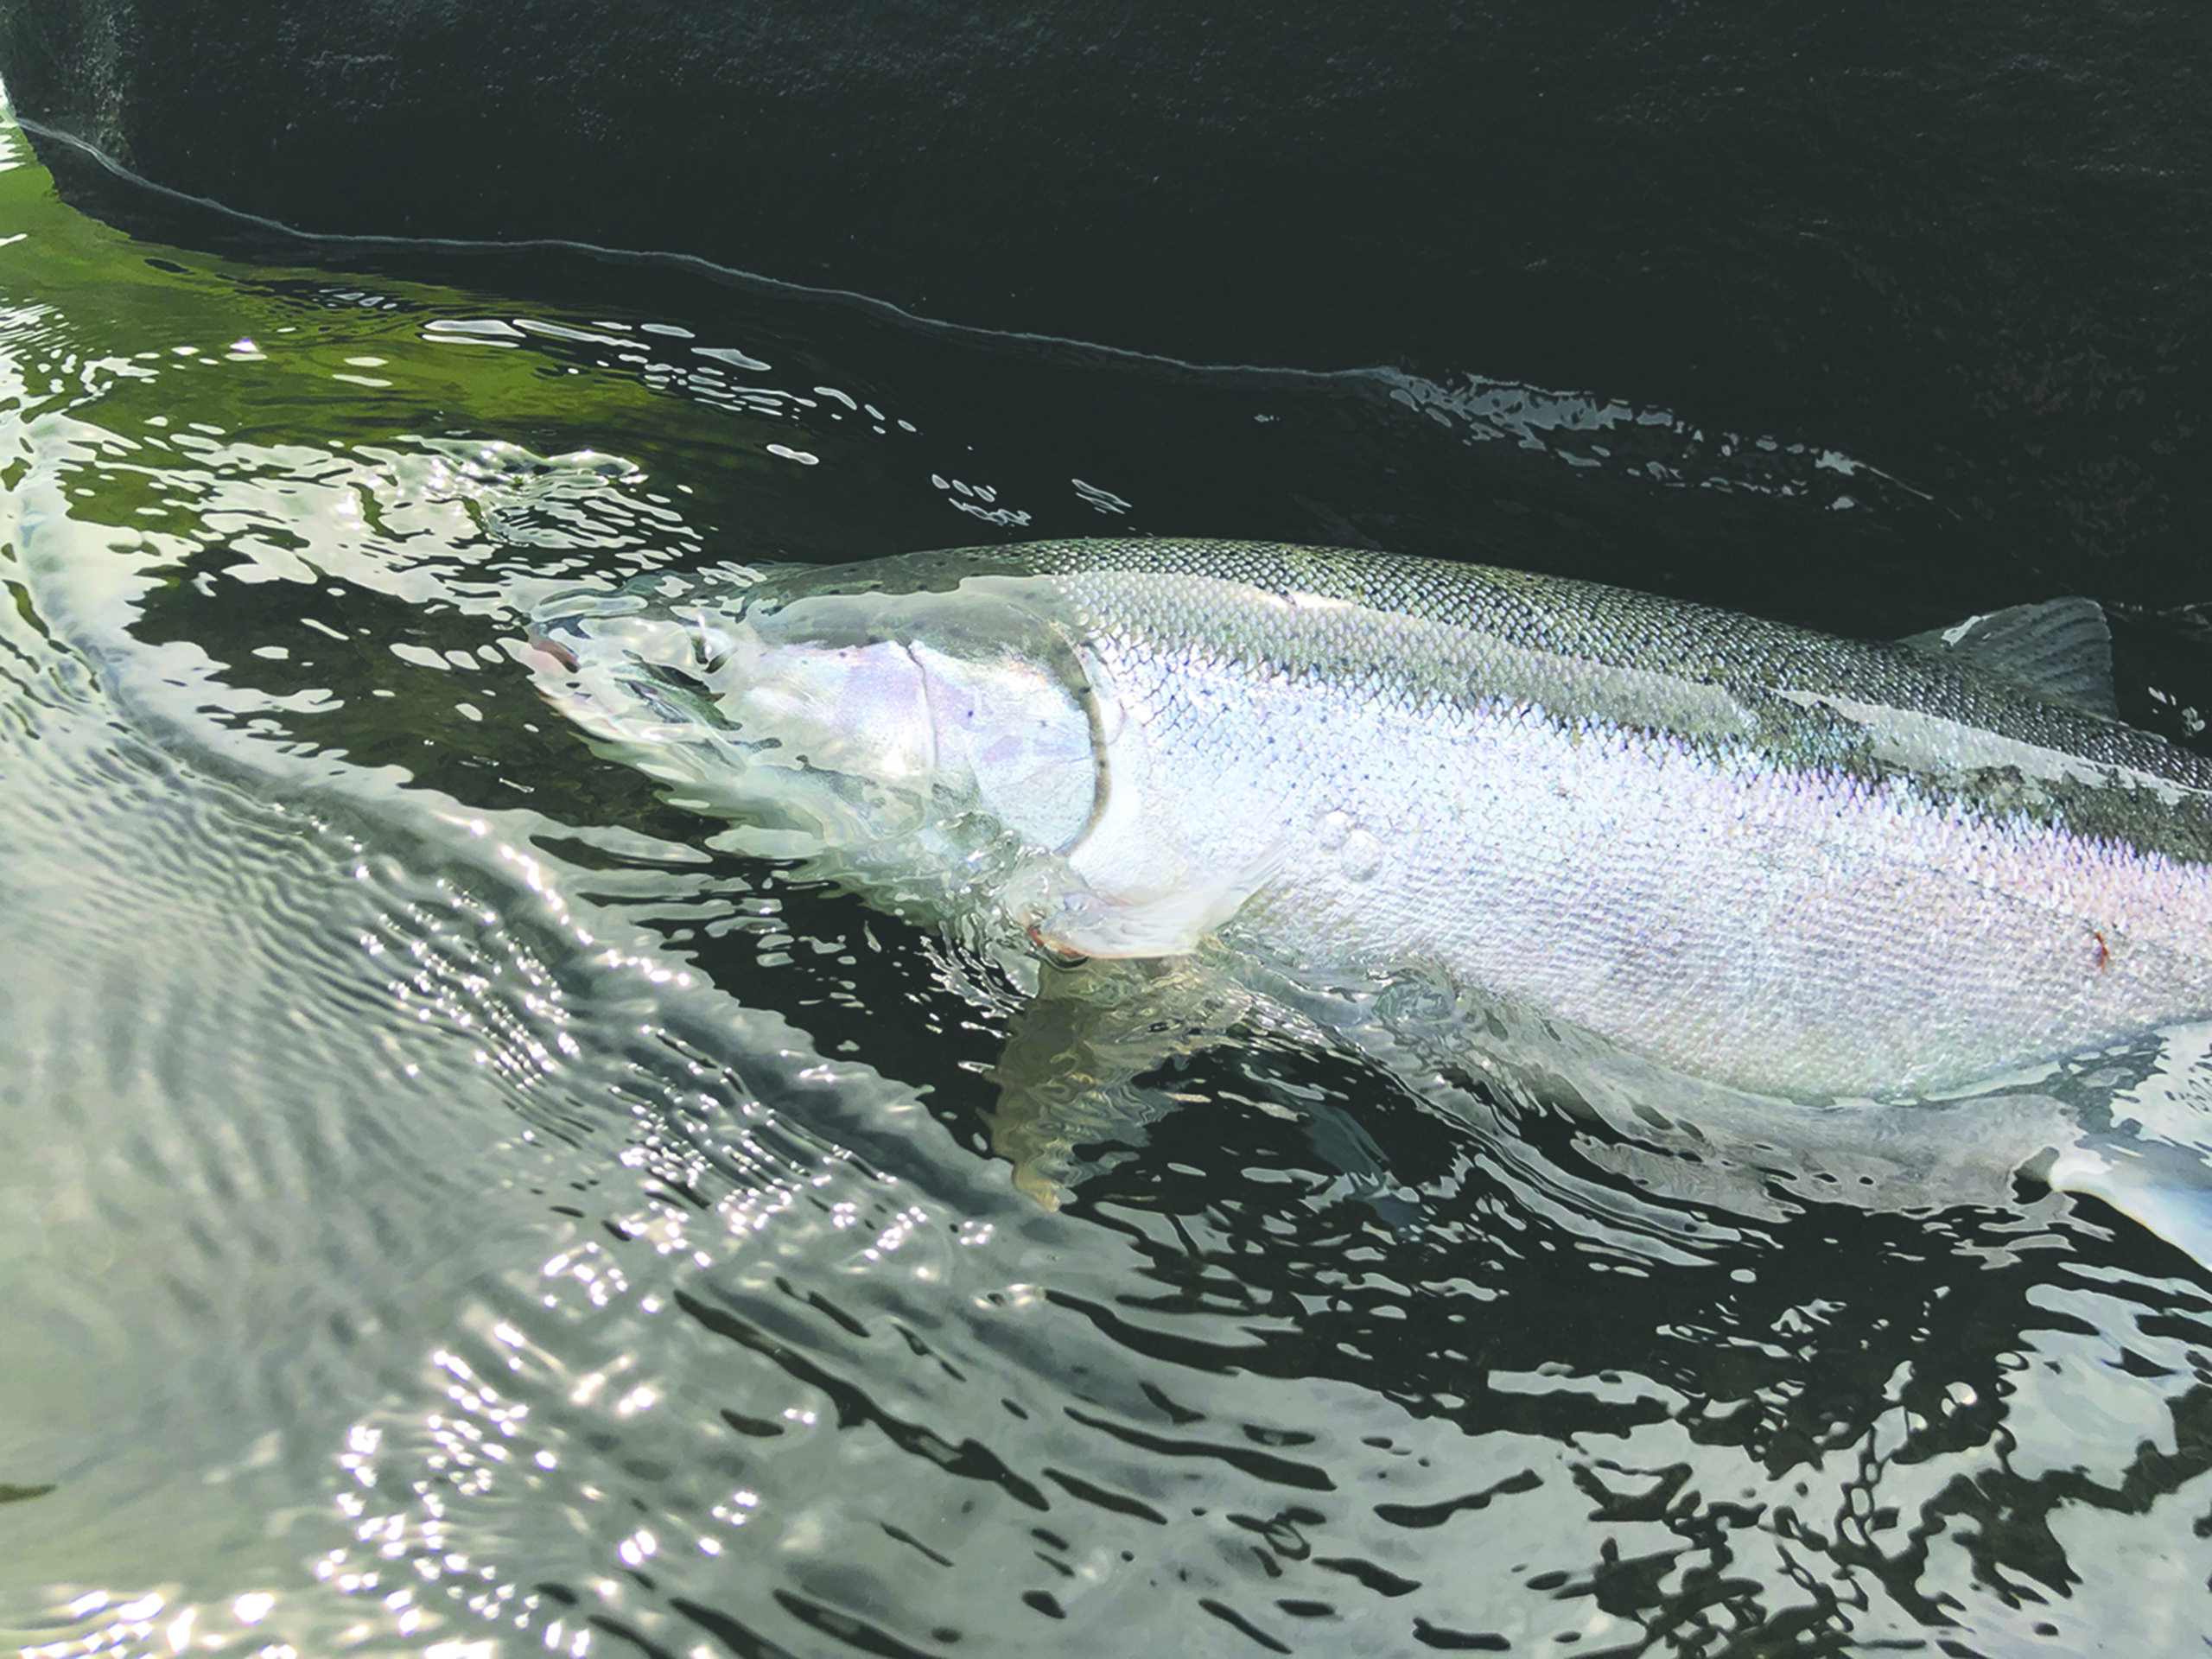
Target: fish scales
{"type": "Point", "coordinates": [1804, 929]}
{"type": "Point", "coordinates": [1783, 861]}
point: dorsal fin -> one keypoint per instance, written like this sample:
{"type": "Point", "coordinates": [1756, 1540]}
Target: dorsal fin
{"type": "Point", "coordinates": [2060, 649]}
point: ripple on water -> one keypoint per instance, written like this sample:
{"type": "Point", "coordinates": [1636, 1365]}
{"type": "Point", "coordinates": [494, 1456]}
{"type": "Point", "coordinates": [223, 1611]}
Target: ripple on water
{"type": "Point", "coordinates": [444, 1208]}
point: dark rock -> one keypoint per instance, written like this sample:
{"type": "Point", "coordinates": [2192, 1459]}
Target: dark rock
{"type": "Point", "coordinates": [1971, 243]}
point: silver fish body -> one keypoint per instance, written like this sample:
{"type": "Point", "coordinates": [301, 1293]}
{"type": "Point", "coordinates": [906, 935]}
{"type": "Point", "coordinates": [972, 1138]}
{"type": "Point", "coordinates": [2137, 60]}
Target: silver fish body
{"type": "Point", "coordinates": [1788, 863]}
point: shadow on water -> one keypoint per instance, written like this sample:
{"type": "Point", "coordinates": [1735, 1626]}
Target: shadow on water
{"type": "Point", "coordinates": [449, 1208]}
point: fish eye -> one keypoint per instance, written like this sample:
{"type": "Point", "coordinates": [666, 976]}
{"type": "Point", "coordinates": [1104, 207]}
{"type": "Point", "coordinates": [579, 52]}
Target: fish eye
{"type": "Point", "coordinates": [708, 649]}
{"type": "Point", "coordinates": [669, 674]}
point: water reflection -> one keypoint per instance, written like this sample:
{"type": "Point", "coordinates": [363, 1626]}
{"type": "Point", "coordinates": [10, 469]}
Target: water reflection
{"type": "Point", "coordinates": [448, 1208]}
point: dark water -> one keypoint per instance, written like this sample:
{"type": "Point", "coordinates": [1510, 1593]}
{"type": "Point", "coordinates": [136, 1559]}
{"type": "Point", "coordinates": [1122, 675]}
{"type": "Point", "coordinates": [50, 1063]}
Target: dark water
{"type": "Point", "coordinates": [446, 1208]}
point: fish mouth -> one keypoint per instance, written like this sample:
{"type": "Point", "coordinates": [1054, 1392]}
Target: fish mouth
{"type": "Point", "coordinates": [543, 638]}
{"type": "Point", "coordinates": [556, 643]}
{"type": "Point", "coordinates": [548, 655]}
{"type": "Point", "coordinates": [580, 677]}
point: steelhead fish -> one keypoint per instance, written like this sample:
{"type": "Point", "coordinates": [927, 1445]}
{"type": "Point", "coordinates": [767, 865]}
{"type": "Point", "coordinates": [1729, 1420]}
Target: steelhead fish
{"type": "Point", "coordinates": [1787, 864]}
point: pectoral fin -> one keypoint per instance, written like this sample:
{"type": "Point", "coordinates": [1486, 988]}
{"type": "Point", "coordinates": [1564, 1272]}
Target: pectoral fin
{"type": "Point", "coordinates": [1069, 1074]}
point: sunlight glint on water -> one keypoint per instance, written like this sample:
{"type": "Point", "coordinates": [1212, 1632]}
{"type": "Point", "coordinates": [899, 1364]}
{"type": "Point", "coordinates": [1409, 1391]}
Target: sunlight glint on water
{"type": "Point", "coordinates": [447, 1207]}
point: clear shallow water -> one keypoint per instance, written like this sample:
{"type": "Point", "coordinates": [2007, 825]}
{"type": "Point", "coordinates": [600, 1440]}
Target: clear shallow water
{"type": "Point", "coordinates": [445, 1207]}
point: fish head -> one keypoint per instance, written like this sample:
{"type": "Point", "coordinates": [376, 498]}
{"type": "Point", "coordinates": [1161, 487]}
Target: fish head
{"type": "Point", "coordinates": [830, 709]}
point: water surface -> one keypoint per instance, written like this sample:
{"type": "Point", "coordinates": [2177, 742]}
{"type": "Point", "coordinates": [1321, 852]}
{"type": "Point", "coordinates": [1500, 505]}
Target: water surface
{"type": "Point", "coordinates": [447, 1207]}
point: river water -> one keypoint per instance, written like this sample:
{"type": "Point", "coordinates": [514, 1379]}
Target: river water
{"type": "Point", "coordinates": [446, 1207]}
